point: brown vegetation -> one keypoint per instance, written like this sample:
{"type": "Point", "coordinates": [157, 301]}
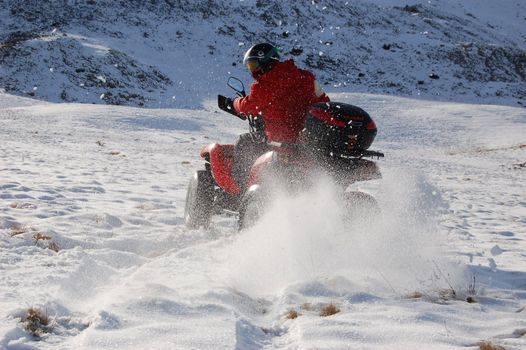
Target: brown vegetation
{"type": "Point", "coordinates": [39, 236]}
{"type": "Point", "coordinates": [17, 229]}
{"type": "Point", "coordinates": [292, 314]}
{"type": "Point", "coordinates": [307, 307]}
{"type": "Point", "coordinates": [36, 322]}
{"type": "Point", "coordinates": [329, 310]}
{"type": "Point", "coordinates": [487, 345]}
{"type": "Point", "coordinates": [414, 295]}
{"type": "Point", "coordinates": [16, 205]}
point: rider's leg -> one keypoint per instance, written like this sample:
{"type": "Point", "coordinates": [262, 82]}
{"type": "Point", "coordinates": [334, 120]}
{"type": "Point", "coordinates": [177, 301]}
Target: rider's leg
{"type": "Point", "coordinates": [246, 151]}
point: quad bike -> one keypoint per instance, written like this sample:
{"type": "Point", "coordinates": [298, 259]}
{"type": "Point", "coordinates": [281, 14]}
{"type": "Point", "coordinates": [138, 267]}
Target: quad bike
{"type": "Point", "coordinates": [334, 143]}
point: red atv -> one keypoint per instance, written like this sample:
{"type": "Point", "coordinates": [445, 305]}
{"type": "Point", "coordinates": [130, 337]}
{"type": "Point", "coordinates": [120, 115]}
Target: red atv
{"type": "Point", "coordinates": [334, 142]}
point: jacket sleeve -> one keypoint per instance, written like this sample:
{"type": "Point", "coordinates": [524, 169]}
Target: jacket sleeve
{"type": "Point", "coordinates": [321, 96]}
{"type": "Point", "coordinates": [252, 103]}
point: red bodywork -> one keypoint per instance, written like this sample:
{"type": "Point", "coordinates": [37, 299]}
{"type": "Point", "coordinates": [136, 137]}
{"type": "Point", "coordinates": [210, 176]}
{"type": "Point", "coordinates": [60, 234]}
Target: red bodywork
{"type": "Point", "coordinates": [221, 158]}
{"type": "Point", "coordinates": [258, 166]}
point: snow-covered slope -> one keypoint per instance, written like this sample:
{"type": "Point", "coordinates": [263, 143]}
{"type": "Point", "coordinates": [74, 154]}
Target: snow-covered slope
{"type": "Point", "coordinates": [106, 186]}
{"type": "Point", "coordinates": [92, 196]}
{"type": "Point", "coordinates": [178, 53]}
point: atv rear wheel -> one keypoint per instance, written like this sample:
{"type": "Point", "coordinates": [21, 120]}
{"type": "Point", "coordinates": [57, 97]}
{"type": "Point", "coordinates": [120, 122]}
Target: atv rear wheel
{"type": "Point", "coordinates": [199, 200]}
{"type": "Point", "coordinates": [360, 205]}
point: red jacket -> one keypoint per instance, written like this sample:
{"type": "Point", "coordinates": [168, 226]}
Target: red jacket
{"type": "Point", "coordinates": [282, 96]}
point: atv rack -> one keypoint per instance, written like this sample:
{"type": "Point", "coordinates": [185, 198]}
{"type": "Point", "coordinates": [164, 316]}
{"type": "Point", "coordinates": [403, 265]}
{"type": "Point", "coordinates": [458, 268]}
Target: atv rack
{"type": "Point", "coordinates": [359, 154]}
{"type": "Point", "coordinates": [371, 154]}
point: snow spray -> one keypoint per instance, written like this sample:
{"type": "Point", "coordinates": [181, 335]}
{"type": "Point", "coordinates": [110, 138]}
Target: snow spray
{"type": "Point", "coordinates": [310, 237]}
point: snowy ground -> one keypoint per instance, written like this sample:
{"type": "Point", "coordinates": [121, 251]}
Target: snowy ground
{"type": "Point", "coordinates": [107, 184]}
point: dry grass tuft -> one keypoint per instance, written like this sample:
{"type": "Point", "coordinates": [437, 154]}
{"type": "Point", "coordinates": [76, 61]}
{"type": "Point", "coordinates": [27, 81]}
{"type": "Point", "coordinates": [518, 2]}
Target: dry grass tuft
{"type": "Point", "coordinates": [53, 246]}
{"type": "Point", "coordinates": [39, 236]}
{"type": "Point", "coordinates": [447, 294]}
{"type": "Point", "coordinates": [471, 299]}
{"type": "Point", "coordinates": [487, 345]}
{"type": "Point", "coordinates": [414, 295]}
{"type": "Point", "coordinates": [36, 322]}
{"type": "Point", "coordinates": [115, 153]}
{"type": "Point", "coordinates": [329, 310]}
{"type": "Point", "coordinates": [307, 307]}
{"type": "Point", "coordinates": [292, 314]}
{"type": "Point", "coordinates": [17, 229]}
{"type": "Point", "coordinates": [16, 205]}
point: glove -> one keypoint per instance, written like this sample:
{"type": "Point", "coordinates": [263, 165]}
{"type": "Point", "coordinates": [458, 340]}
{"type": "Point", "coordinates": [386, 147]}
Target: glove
{"type": "Point", "coordinates": [225, 103]}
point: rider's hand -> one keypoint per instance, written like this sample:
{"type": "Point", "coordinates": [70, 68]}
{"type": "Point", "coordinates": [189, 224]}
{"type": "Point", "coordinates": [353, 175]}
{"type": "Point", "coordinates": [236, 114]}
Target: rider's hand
{"type": "Point", "coordinates": [226, 103]}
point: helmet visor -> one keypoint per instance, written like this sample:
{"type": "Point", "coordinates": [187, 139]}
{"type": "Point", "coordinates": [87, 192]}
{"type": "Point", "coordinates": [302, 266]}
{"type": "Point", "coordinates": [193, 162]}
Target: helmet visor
{"type": "Point", "coordinates": [252, 65]}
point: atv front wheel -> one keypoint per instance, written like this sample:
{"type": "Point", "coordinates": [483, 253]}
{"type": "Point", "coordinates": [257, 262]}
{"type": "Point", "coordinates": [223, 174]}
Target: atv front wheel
{"type": "Point", "coordinates": [199, 200]}
{"type": "Point", "coordinates": [250, 209]}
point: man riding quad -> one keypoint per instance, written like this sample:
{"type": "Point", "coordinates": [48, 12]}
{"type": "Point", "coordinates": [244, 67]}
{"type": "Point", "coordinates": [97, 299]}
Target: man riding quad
{"type": "Point", "coordinates": [296, 135]}
{"type": "Point", "coordinates": [281, 94]}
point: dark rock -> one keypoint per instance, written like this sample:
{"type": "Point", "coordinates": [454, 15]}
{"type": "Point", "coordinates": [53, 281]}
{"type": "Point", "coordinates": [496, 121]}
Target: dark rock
{"type": "Point", "coordinates": [296, 51]}
{"type": "Point", "coordinates": [410, 8]}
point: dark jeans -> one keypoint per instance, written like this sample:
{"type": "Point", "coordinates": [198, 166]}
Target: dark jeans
{"type": "Point", "coordinates": [246, 151]}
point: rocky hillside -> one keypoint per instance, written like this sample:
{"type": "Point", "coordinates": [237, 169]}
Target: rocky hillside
{"type": "Point", "coordinates": [161, 53]}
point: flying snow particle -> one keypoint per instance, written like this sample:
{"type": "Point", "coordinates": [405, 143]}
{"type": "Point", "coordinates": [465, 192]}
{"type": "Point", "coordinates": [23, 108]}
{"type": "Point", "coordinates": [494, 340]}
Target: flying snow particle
{"type": "Point", "coordinates": [101, 96]}
{"type": "Point", "coordinates": [51, 70]}
{"type": "Point", "coordinates": [241, 43]}
{"type": "Point", "coordinates": [320, 53]}
{"type": "Point", "coordinates": [35, 88]}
